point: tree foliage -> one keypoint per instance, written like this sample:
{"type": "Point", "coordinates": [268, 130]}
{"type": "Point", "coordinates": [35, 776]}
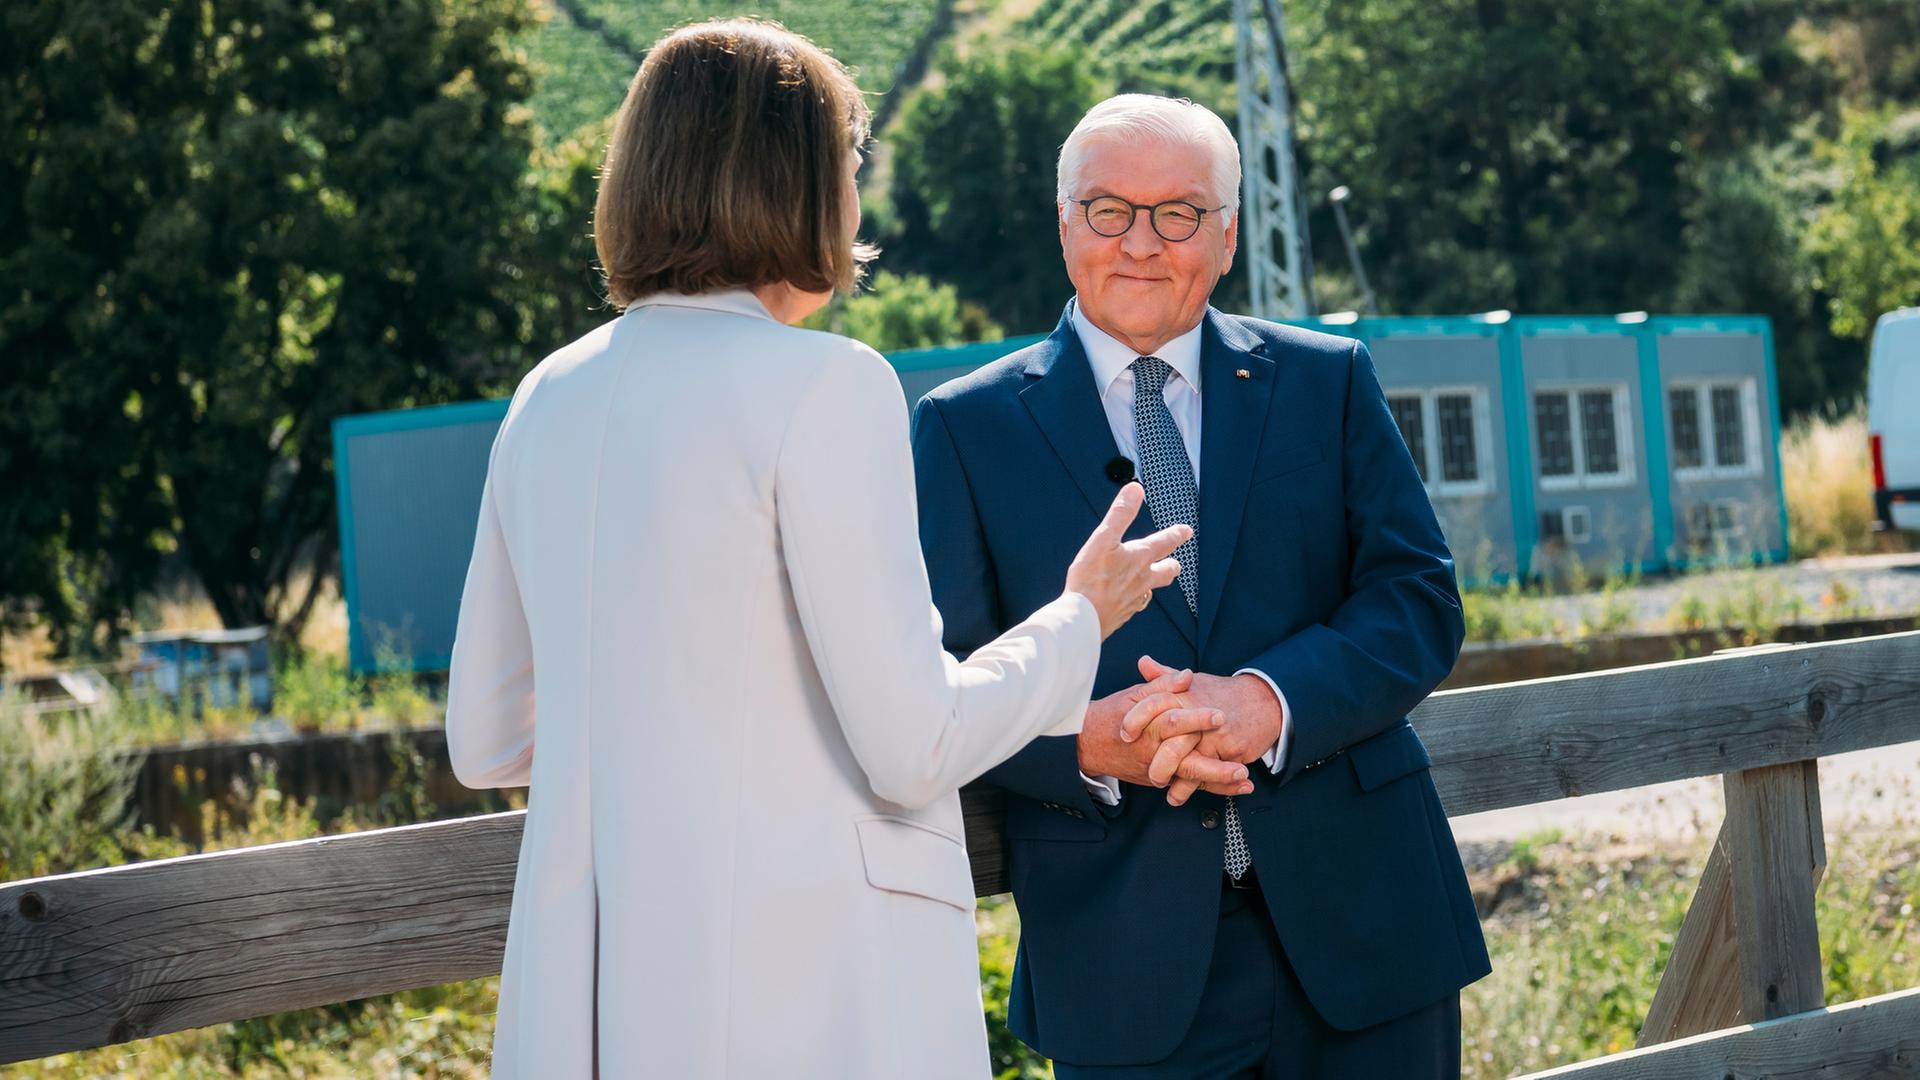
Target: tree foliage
{"type": "Point", "coordinates": [228, 223]}
{"type": "Point", "coordinates": [1867, 239]}
{"type": "Point", "coordinates": [1521, 154]}
{"type": "Point", "coordinates": [1745, 249]}
{"type": "Point", "coordinates": [907, 311]}
{"type": "Point", "coordinates": [973, 179]}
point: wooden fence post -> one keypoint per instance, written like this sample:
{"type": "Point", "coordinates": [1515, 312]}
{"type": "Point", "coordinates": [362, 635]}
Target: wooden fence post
{"type": "Point", "coordinates": [1775, 852]}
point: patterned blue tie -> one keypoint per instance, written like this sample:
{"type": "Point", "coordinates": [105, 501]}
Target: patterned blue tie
{"type": "Point", "coordinates": [1172, 496]}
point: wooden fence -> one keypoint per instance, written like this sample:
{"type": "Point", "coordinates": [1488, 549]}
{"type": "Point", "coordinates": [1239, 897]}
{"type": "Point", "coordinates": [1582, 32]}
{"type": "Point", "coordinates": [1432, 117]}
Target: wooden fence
{"type": "Point", "coordinates": [110, 955]}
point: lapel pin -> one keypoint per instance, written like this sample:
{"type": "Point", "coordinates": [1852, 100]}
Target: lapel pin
{"type": "Point", "coordinates": [1242, 373]}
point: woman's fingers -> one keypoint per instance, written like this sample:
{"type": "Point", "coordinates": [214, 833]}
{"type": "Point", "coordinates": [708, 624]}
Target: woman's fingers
{"type": "Point", "coordinates": [1118, 575]}
{"type": "Point", "coordinates": [1120, 514]}
{"type": "Point", "coordinates": [1163, 543]}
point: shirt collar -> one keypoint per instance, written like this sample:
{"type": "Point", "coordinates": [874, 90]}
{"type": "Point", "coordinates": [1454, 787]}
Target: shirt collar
{"type": "Point", "coordinates": [1109, 358]}
{"type": "Point", "coordinates": [732, 301]}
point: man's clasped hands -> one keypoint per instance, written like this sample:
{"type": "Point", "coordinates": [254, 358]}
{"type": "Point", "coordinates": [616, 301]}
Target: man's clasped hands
{"type": "Point", "coordinates": [1182, 731]}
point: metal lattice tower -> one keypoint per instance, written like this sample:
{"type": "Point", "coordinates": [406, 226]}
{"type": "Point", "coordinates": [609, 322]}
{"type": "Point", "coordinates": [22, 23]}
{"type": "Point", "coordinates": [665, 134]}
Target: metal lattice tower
{"type": "Point", "coordinates": [1273, 231]}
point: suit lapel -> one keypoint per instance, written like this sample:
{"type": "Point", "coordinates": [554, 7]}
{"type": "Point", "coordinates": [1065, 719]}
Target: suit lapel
{"type": "Point", "coordinates": [1233, 413]}
{"type": "Point", "coordinates": [1066, 405]}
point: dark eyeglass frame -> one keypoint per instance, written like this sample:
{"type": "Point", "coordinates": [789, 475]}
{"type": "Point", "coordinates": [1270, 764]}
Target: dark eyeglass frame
{"type": "Point", "coordinates": [1153, 216]}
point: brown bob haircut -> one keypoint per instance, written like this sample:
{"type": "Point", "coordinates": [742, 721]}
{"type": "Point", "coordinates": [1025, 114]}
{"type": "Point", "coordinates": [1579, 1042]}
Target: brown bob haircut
{"type": "Point", "coordinates": [727, 166]}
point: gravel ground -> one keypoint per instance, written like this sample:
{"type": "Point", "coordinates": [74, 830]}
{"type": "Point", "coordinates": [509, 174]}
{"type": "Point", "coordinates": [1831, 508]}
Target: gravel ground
{"type": "Point", "coordinates": [1874, 584]}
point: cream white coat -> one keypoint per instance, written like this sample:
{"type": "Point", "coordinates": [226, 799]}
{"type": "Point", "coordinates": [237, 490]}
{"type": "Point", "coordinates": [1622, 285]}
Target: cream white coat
{"type": "Point", "coordinates": [698, 625]}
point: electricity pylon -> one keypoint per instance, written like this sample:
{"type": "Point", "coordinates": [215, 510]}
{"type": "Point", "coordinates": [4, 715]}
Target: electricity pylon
{"type": "Point", "coordinates": [1273, 227]}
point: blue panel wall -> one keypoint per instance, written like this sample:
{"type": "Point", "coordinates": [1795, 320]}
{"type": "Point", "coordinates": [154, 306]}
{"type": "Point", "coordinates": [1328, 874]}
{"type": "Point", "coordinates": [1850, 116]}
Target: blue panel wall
{"type": "Point", "coordinates": [1734, 353]}
{"type": "Point", "coordinates": [1581, 357]}
{"type": "Point", "coordinates": [1458, 356]}
{"type": "Point", "coordinates": [409, 488]}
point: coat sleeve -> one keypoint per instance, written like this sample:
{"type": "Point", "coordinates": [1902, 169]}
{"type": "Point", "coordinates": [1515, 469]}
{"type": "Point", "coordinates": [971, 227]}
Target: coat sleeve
{"type": "Point", "coordinates": [1397, 634]}
{"type": "Point", "coordinates": [490, 702]}
{"type": "Point", "coordinates": [966, 590]}
{"type": "Point", "coordinates": [920, 723]}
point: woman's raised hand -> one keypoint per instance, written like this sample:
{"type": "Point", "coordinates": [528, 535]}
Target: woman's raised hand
{"type": "Point", "coordinates": [1119, 575]}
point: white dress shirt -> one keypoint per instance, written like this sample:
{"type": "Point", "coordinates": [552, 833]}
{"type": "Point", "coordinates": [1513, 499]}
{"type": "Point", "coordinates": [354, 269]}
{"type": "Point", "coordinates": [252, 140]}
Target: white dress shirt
{"type": "Point", "coordinates": [1112, 364]}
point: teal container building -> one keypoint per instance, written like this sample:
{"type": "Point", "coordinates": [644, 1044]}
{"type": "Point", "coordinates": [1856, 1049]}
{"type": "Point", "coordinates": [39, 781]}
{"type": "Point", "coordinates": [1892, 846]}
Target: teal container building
{"type": "Point", "coordinates": [1546, 443]}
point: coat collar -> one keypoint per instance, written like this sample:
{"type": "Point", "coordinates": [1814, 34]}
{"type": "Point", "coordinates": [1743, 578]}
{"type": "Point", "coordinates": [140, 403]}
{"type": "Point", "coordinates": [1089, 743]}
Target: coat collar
{"type": "Point", "coordinates": [1239, 377]}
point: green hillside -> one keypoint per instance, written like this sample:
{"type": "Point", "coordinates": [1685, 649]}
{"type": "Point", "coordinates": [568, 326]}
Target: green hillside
{"type": "Point", "coordinates": [586, 51]}
{"type": "Point", "coordinates": [1176, 47]}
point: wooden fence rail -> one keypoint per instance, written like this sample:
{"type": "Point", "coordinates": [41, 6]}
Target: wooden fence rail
{"type": "Point", "coordinates": [110, 955]}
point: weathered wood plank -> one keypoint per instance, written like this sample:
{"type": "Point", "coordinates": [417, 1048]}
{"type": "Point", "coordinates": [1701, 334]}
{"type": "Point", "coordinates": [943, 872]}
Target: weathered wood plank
{"type": "Point", "coordinates": [1699, 989]}
{"type": "Point", "coordinates": [1770, 856]}
{"type": "Point", "coordinates": [1875, 1039]}
{"type": "Point", "coordinates": [1549, 739]}
{"type": "Point", "coordinates": [110, 955]}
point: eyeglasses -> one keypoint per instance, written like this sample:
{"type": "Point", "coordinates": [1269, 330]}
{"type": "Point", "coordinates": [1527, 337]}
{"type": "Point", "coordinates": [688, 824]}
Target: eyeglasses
{"type": "Point", "coordinates": [1175, 220]}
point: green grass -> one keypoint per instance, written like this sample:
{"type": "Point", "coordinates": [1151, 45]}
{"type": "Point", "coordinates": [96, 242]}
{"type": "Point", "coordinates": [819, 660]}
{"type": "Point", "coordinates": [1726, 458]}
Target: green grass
{"type": "Point", "coordinates": [1587, 927]}
{"type": "Point", "coordinates": [442, 1031]}
{"type": "Point", "coordinates": [1748, 604]}
{"type": "Point", "coordinates": [312, 692]}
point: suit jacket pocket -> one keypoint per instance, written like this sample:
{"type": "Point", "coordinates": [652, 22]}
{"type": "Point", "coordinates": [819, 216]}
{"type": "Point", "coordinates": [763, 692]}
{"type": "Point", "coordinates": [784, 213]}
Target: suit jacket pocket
{"type": "Point", "coordinates": [908, 857]}
{"type": "Point", "coordinates": [1387, 757]}
{"type": "Point", "coordinates": [1288, 460]}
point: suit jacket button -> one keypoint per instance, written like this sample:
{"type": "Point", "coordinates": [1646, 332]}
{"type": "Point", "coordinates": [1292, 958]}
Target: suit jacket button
{"type": "Point", "coordinates": [1209, 819]}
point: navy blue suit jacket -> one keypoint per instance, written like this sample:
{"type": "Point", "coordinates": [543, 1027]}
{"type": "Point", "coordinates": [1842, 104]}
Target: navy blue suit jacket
{"type": "Point", "coordinates": [1321, 565]}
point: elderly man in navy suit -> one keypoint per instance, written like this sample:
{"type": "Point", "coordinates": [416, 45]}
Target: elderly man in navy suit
{"type": "Point", "coordinates": [1280, 897]}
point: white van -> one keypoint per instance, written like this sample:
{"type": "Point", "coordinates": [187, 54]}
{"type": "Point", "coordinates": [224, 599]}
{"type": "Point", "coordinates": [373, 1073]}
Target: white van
{"type": "Point", "coordinates": [1893, 418]}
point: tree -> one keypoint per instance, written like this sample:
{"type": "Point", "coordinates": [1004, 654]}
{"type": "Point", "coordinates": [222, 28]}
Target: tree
{"type": "Point", "coordinates": [1746, 250]}
{"type": "Point", "coordinates": [973, 178]}
{"type": "Point", "coordinates": [906, 312]}
{"type": "Point", "coordinates": [1525, 154]}
{"type": "Point", "coordinates": [1866, 241]}
{"type": "Point", "coordinates": [230, 222]}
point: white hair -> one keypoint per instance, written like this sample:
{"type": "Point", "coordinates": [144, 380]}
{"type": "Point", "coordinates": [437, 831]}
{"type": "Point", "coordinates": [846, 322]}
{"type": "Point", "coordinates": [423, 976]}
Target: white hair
{"type": "Point", "coordinates": [1170, 121]}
